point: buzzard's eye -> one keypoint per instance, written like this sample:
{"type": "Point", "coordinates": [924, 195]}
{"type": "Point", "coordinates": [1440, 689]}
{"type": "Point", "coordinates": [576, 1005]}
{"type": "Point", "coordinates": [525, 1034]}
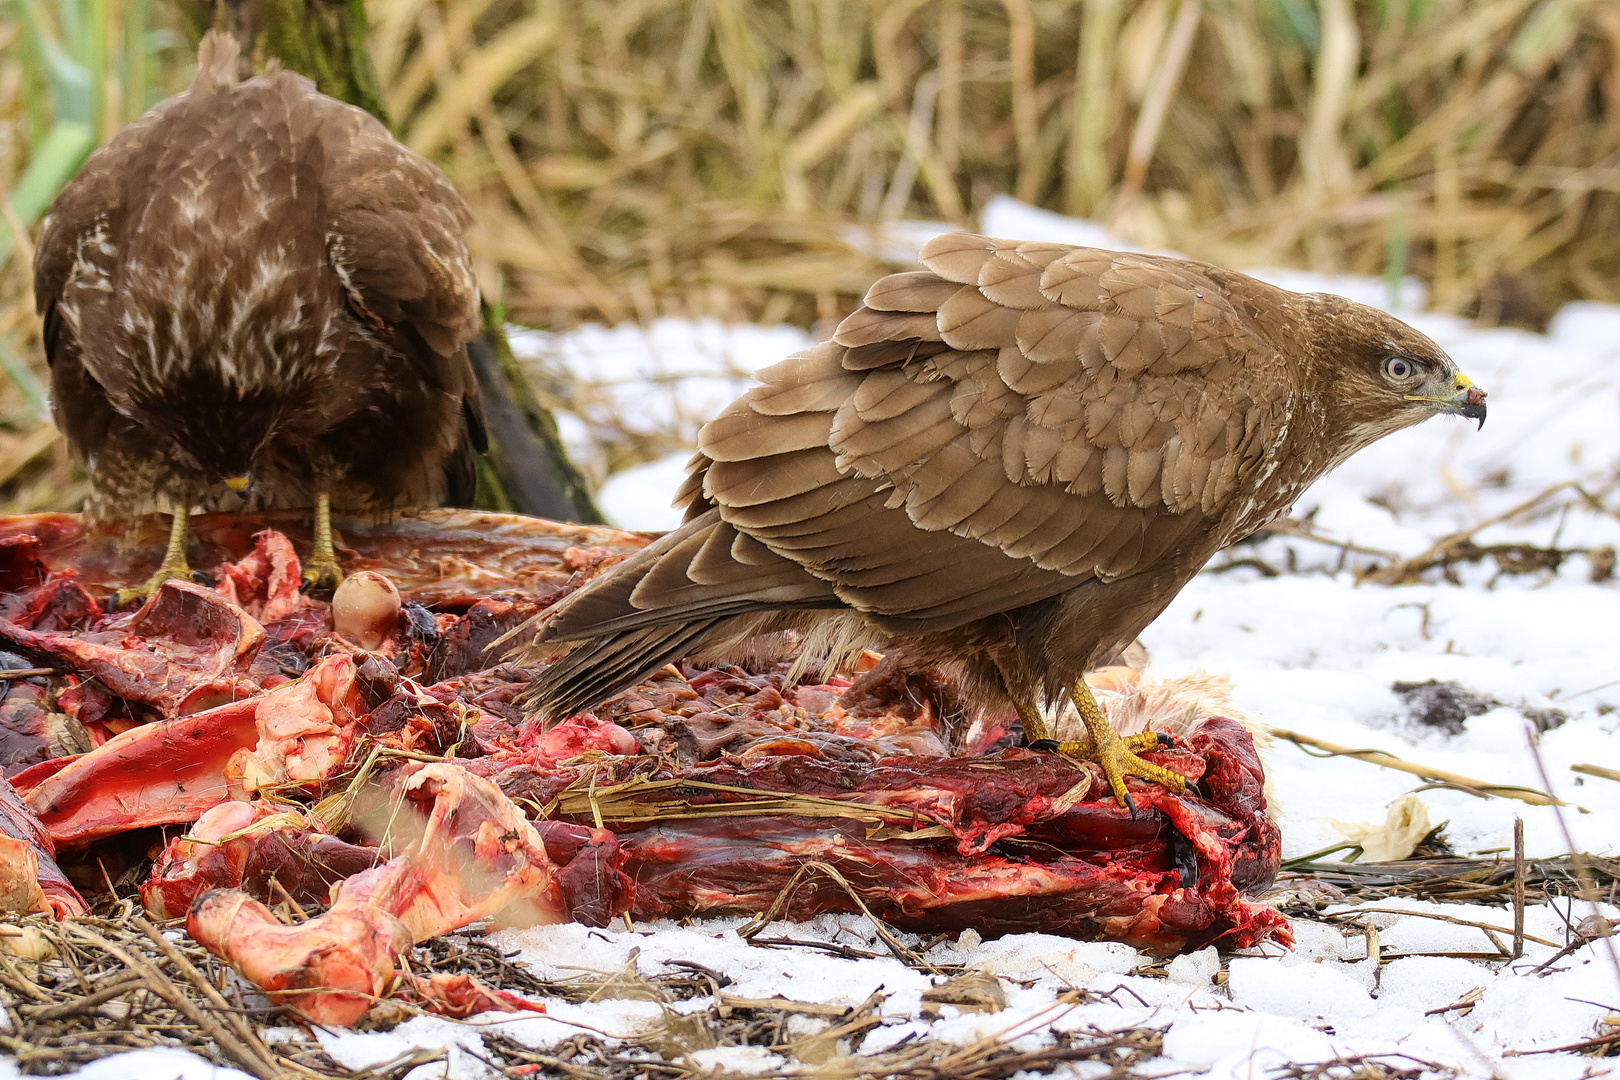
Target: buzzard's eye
{"type": "Point", "coordinates": [1399, 369]}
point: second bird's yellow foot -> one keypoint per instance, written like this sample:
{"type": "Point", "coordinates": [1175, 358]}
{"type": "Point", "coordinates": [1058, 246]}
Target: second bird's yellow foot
{"type": "Point", "coordinates": [142, 593]}
{"type": "Point", "coordinates": [321, 574]}
{"type": "Point", "coordinates": [1118, 758]}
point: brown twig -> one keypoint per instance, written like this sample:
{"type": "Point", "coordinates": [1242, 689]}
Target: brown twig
{"type": "Point", "coordinates": [1518, 887]}
{"type": "Point", "coordinates": [901, 953]}
{"type": "Point", "coordinates": [1447, 547]}
{"type": "Point", "coordinates": [243, 1030]}
{"type": "Point", "coordinates": [1299, 529]}
{"type": "Point", "coordinates": [1489, 930]}
{"type": "Point", "coordinates": [47, 1013]}
{"type": "Point", "coordinates": [1462, 1004]}
{"type": "Point", "coordinates": [1585, 1044]}
{"type": "Point", "coordinates": [1589, 891]}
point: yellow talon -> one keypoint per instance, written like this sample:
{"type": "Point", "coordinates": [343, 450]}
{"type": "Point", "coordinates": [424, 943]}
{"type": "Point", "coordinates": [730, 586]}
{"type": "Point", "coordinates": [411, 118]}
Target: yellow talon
{"type": "Point", "coordinates": [1116, 754]}
{"type": "Point", "coordinates": [322, 570]}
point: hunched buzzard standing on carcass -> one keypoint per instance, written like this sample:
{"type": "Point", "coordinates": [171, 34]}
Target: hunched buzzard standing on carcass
{"type": "Point", "coordinates": [1005, 466]}
{"type": "Point", "coordinates": [254, 289]}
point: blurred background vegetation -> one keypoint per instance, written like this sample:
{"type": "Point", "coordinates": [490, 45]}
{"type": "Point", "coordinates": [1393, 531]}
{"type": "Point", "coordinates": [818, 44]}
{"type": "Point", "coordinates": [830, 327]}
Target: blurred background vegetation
{"type": "Point", "coordinates": [642, 158]}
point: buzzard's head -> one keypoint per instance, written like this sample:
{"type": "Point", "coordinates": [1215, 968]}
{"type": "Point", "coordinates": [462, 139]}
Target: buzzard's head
{"type": "Point", "coordinates": [215, 434]}
{"type": "Point", "coordinates": [1373, 374]}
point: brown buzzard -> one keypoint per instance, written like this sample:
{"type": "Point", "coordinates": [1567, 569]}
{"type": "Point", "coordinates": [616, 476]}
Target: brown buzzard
{"type": "Point", "coordinates": [1005, 465]}
{"type": "Point", "coordinates": [253, 296]}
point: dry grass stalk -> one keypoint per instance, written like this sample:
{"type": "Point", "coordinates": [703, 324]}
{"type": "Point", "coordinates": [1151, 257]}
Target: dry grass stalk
{"type": "Point", "coordinates": [666, 1050]}
{"type": "Point", "coordinates": [815, 866]}
{"type": "Point", "coordinates": [1448, 879]}
{"type": "Point", "coordinates": [1595, 770]}
{"type": "Point", "coordinates": [635, 800]}
{"type": "Point", "coordinates": [1490, 128]}
{"type": "Point", "coordinates": [1439, 776]}
{"type": "Point", "coordinates": [89, 988]}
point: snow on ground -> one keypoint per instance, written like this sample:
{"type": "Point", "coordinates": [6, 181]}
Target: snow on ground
{"type": "Point", "coordinates": [1310, 651]}
{"type": "Point", "coordinates": [1241, 1019]}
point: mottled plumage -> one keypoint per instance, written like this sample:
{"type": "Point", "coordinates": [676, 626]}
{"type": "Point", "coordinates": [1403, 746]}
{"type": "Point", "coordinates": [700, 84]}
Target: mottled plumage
{"type": "Point", "coordinates": [255, 281]}
{"type": "Point", "coordinates": [1005, 465]}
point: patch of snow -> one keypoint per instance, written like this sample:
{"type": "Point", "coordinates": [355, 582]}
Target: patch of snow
{"type": "Point", "coordinates": [1008, 219]}
{"type": "Point", "coordinates": [158, 1063]}
{"type": "Point", "coordinates": [639, 497]}
{"type": "Point", "coordinates": [1301, 991]}
{"type": "Point", "coordinates": [735, 1060]}
{"type": "Point", "coordinates": [1045, 957]}
{"type": "Point", "coordinates": [1194, 968]}
{"type": "Point", "coordinates": [894, 241]}
{"type": "Point", "coordinates": [644, 389]}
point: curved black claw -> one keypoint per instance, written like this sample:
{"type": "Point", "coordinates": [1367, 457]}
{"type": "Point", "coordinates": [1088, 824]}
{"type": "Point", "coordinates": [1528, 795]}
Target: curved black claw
{"type": "Point", "coordinates": [125, 598]}
{"type": "Point", "coordinates": [320, 577]}
{"type": "Point", "coordinates": [1045, 746]}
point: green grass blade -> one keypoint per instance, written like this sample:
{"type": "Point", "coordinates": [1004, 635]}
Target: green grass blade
{"type": "Point", "coordinates": [1397, 255]}
{"type": "Point", "coordinates": [73, 93]}
{"type": "Point", "coordinates": [53, 165]}
{"type": "Point", "coordinates": [58, 158]}
{"type": "Point", "coordinates": [137, 82]}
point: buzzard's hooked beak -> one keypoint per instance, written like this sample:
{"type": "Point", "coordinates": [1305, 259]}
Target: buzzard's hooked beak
{"type": "Point", "coordinates": [1469, 400]}
{"type": "Point", "coordinates": [238, 483]}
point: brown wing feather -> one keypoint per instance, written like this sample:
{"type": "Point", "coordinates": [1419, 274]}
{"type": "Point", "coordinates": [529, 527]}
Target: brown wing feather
{"type": "Point", "coordinates": [1016, 422]}
{"type": "Point", "coordinates": [396, 237]}
{"type": "Point", "coordinates": [396, 228]}
{"type": "Point", "coordinates": [686, 574]}
{"type": "Point", "coordinates": [1077, 428]}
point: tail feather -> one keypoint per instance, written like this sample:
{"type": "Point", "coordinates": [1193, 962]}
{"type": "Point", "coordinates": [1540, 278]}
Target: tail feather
{"type": "Point", "coordinates": [599, 668]}
{"type": "Point", "coordinates": [216, 63]}
{"type": "Point", "coordinates": [657, 605]}
{"type": "Point", "coordinates": [691, 573]}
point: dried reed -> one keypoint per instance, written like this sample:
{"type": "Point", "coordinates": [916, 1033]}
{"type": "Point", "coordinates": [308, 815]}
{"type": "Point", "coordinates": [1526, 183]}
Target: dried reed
{"type": "Point", "coordinates": [687, 157]}
{"type": "Point", "coordinates": [698, 156]}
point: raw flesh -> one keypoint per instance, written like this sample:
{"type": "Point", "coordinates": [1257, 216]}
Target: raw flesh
{"type": "Point", "coordinates": [702, 791]}
{"type": "Point", "coordinates": [1014, 842]}
{"type": "Point", "coordinates": [469, 854]}
{"type": "Point", "coordinates": [186, 650]}
{"type": "Point", "coordinates": [156, 774]}
{"type": "Point", "coordinates": [247, 846]}
{"type": "Point", "coordinates": [30, 880]}
{"type": "Point", "coordinates": [439, 558]}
